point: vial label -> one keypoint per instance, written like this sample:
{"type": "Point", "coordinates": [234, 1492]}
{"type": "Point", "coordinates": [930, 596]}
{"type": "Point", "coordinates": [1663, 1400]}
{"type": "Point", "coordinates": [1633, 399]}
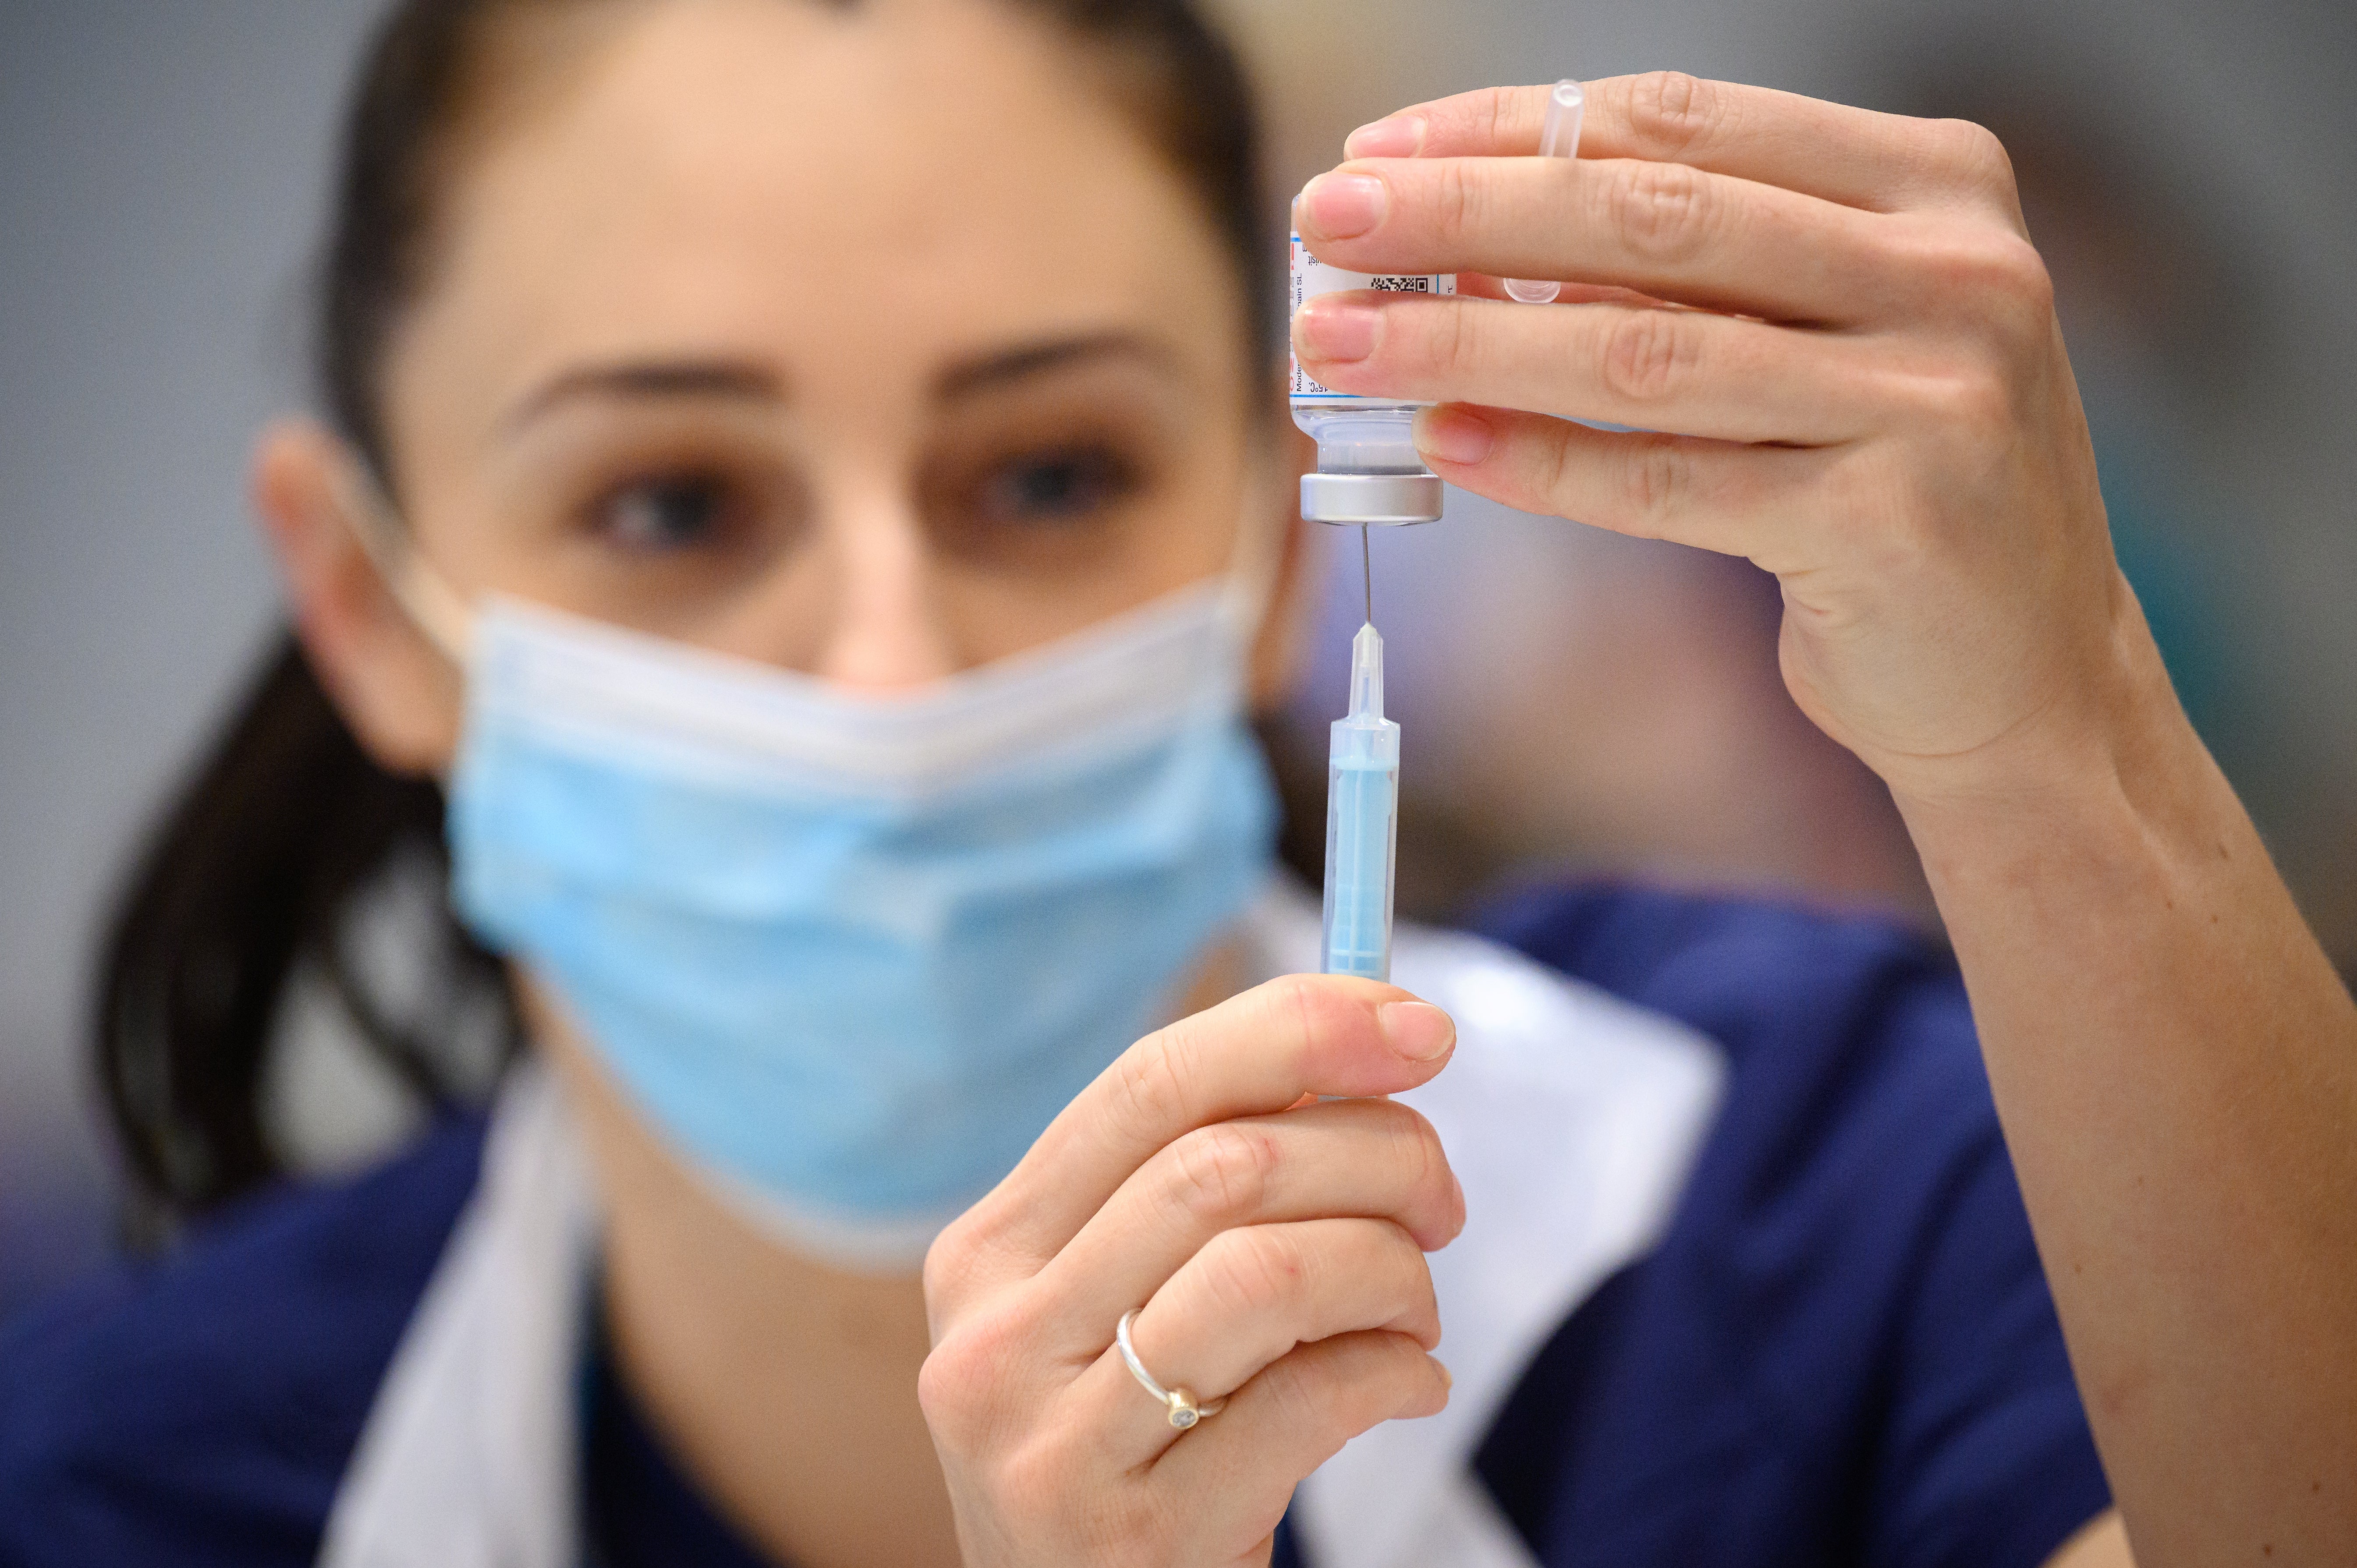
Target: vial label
{"type": "Point", "coordinates": [1312, 278]}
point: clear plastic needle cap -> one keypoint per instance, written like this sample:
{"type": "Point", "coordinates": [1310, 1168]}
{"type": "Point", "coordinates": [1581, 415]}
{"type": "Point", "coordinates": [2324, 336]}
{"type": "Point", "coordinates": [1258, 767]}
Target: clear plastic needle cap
{"type": "Point", "coordinates": [1558, 138]}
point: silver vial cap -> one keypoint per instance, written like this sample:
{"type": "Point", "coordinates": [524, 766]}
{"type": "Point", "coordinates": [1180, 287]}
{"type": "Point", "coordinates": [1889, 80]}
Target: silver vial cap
{"type": "Point", "coordinates": [1371, 497]}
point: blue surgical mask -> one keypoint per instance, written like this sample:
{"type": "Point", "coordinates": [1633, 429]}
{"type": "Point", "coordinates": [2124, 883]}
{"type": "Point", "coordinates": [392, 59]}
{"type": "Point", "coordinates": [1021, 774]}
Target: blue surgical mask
{"type": "Point", "coordinates": [849, 955]}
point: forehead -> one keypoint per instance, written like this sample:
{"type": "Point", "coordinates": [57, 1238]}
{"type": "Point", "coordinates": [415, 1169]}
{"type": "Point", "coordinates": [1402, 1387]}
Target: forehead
{"type": "Point", "coordinates": [891, 186]}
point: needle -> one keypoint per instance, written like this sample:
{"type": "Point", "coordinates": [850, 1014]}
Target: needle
{"type": "Point", "coordinates": [1367, 564]}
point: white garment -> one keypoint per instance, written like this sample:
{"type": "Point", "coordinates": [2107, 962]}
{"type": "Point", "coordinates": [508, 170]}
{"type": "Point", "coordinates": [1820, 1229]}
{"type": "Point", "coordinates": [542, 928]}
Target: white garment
{"type": "Point", "coordinates": [1571, 1118]}
{"type": "Point", "coordinates": [470, 1455]}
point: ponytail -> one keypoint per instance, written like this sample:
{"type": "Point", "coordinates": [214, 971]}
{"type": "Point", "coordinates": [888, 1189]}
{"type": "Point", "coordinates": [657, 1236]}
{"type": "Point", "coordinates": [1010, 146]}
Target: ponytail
{"type": "Point", "coordinates": [254, 875]}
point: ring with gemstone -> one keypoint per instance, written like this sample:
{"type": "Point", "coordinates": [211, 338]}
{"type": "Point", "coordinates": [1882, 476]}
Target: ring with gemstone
{"type": "Point", "coordinates": [1184, 1408]}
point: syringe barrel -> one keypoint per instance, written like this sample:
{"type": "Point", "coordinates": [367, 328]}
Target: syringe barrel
{"type": "Point", "coordinates": [1362, 846]}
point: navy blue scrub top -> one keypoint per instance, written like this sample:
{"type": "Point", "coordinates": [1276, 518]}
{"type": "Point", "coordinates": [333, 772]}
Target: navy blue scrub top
{"type": "Point", "coordinates": [1842, 1352]}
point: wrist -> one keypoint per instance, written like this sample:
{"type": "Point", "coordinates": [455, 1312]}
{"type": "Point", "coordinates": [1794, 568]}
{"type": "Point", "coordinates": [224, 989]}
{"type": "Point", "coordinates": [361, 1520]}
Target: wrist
{"type": "Point", "coordinates": [2109, 777]}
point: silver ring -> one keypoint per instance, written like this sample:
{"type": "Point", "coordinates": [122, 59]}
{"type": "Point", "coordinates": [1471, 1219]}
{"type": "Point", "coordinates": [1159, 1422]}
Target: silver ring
{"type": "Point", "coordinates": [1184, 1408]}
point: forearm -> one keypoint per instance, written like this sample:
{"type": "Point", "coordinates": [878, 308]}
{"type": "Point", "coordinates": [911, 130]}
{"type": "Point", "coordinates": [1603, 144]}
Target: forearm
{"type": "Point", "coordinates": [2175, 1063]}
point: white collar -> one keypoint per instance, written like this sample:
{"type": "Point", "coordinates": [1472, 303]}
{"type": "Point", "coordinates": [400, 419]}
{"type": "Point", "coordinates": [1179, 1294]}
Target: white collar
{"type": "Point", "coordinates": [470, 1457]}
{"type": "Point", "coordinates": [1571, 1118]}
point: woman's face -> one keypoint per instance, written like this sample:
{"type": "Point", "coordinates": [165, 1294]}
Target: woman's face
{"type": "Point", "coordinates": [873, 344]}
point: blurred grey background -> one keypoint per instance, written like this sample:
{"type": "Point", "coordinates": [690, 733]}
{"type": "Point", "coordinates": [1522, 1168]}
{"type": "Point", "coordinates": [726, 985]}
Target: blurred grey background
{"type": "Point", "coordinates": [1578, 700]}
{"type": "Point", "coordinates": [161, 172]}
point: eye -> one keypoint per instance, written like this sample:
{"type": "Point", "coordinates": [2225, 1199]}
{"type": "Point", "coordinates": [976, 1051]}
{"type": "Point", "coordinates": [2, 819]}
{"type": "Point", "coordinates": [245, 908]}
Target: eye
{"type": "Point", "coordinates": [664, 515]}
{"type": "Point", "coordinates": [1063, 484]}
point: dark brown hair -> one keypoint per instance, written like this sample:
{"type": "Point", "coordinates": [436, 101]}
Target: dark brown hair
{"type": "Point", "coordinates": [257, 868]}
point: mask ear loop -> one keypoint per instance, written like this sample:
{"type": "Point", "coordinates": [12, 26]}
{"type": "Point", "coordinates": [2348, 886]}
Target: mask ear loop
{"type": "Point", "coordinates": [1253, 563]}
{"type": "Point", "coordinates": [425, 594]}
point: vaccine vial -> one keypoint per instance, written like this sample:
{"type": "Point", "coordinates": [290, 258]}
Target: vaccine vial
{"type": "Point", "coordinates": [1368, 468]}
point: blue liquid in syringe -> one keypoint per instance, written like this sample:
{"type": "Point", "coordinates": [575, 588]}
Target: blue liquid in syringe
{"type": "Point", "coordinates": [1361, 822]}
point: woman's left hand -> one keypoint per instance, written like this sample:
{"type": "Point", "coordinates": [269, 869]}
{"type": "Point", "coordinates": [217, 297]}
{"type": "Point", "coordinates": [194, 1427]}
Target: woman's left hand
{"type": "Point", "coordinates": [1837, 317]}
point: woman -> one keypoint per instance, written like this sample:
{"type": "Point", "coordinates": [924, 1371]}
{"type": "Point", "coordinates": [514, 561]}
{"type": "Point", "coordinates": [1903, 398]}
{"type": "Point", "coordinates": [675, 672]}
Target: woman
{"type": "Point", "coordinates": [824, 551]}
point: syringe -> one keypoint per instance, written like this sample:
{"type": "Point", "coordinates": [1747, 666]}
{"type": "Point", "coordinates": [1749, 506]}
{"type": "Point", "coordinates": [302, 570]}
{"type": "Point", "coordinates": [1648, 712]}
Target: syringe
{"type": "Point", "coordinates": [1361, 817]}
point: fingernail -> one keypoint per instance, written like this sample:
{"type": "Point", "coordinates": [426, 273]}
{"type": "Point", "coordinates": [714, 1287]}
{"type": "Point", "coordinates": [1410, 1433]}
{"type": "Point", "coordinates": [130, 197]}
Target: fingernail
{"type": "Point", "coordinates": [1341, 206]}
{"type": "Point", "coordinates": [1401, 136]}
{"type": "Point", "coordinates": [1417, 1030]}
{"type": "Point", "coordinates": [1447, 1378]}
{"type": "Point", "coordinates": [1453, 435]}
{"type": "Point", "coordinates": [1335, 330]}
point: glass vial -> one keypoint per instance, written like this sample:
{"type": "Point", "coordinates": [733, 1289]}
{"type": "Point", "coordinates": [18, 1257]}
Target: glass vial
{"type": "Point", "coordinates": [1368, 468]}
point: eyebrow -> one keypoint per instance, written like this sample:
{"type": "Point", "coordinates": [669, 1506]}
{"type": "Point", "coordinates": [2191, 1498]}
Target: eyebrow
{"type": "Point", "coordinates": [997, 369]}
{"type": "Point", "coordinates": [728, 379]}
{"type": "Point", "coordinates": [745, 381]}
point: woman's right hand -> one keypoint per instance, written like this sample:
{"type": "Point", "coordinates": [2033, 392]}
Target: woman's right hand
{"type": "Point", "coordinates": [1862, 389]}
{"type": "Point", "coordinates": [1275, 1243]}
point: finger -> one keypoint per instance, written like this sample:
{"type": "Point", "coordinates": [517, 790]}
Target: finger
{"type": "Point", "coordinates": [1252, 1294]}
{"type": "Point", "coordinates": [1298, 1413]}
{"type": "Point", "coordinates": [1247, 1300]}
{"type": "Point", "coordinates": [1881, 163]}
{"type": "Point", "coordinates": [1252, 1055]}
{"type": "Point", "coordinates": [1716, 495]}
{"type": "Point", "coordinates": [1368, 1159]}
{"type": "Point", "coordinates": [1687, 372]}
{"type": "Point", "coordinates": [1662, 228]}
{"type": "Point", "coordinates": [1242, 1302]}
{"type": "Point", "coordinates": [1225, 1487]}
